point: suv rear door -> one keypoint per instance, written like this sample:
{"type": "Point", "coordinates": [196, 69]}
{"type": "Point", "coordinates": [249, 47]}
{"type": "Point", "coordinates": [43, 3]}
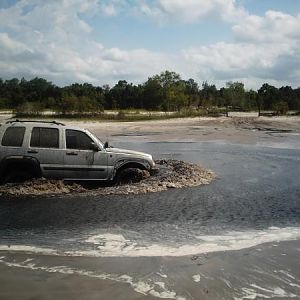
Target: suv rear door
{"type": "Point", "coordinates": [12, 141]}
{"type": "Point", "coordinates": [80, 158]}
{"type": "Point", "coordinates": [45, 144]}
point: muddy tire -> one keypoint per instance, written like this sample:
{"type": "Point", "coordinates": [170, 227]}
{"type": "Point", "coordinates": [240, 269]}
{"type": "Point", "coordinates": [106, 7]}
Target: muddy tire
{"type": "Point", "coordinates": [130, 175]}
{"type": "Point", "coordinates": [120, 177]}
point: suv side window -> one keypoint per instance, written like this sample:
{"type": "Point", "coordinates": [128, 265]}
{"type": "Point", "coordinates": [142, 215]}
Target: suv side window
{"type": "Point", "coordinates": [42, 137]}
{"type": "Point", "coordinates": [13, 136]}
{"type": "Point", "coordinates": [78, 140]}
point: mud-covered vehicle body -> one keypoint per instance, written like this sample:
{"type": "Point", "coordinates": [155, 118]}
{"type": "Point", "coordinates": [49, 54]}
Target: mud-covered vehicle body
{"type": "Point", "coordinates": [30, 149]}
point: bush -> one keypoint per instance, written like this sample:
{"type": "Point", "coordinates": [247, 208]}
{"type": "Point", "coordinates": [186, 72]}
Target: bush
{"type": "Point", "coordinates": [29, 109]}
{"type": "Point", "coordinates": [121, 115]}
{"type": "Point", "coordinates": [281, 108]}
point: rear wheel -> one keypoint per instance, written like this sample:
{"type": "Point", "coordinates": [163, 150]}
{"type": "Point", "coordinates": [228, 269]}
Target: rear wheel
{"type": "Point", "coordinates": [17, 176]}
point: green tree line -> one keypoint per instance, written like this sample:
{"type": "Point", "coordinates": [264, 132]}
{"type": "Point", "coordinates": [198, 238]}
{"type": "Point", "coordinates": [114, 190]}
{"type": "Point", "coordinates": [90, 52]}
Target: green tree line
{"type": "Point", "coordinates": [166, 91]}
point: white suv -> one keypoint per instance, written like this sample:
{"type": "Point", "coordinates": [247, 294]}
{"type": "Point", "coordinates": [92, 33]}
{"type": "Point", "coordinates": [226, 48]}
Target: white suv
{"type": "Point", "coordinates": [53, 150]}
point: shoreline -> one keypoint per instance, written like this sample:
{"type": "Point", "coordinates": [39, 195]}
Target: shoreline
{"type": "Point", "coordinates": [232, 274]}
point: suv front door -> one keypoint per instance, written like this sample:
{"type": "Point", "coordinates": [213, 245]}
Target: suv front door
{"type": "Point", "coordinates": [80, 158]}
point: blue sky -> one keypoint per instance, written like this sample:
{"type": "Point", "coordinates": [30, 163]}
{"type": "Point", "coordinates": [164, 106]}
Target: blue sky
{"type": "Point", "coordinates": [101, 41]}
{"type": "Point", "coordinates": [259, 7]}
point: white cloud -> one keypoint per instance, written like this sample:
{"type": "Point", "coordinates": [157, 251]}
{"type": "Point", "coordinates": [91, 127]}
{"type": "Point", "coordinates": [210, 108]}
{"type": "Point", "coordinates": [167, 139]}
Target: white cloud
{"type": "Point", "coordinates": [238, 61]}
{"type": "Point", "coordinates": [274, 27]}
{"type": "Point", "coordinates": [52, 39]}
{"type": "Point", "coordinates": [11, 46]}
{"type": "Point", "coordinates": [190, 11]}
{"type": "Point", "coordinates": [112, 8]}
{"type": "Point", "coordinates": [265, 49]}
{"type": "Point", "coordinates": [109, 10]}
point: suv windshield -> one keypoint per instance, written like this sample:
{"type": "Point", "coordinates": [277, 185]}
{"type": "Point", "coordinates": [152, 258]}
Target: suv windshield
{"type": "Point", "coordinates": [101, 143]}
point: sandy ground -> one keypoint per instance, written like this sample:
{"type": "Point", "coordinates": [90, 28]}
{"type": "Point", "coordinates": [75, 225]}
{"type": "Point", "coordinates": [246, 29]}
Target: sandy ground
{"type": "Point", "coordinates": [245, 130]}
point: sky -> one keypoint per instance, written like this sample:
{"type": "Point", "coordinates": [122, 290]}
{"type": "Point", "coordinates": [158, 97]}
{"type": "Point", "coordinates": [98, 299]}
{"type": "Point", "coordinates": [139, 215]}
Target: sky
{"type": "Point", "coordinates": [101, 41]}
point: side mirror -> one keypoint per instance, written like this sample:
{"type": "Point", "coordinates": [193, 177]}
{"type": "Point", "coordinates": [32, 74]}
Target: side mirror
{"type": "Point", "coordinates": [95, 147]}
{"type": "Point", "coordinates": [106, 145]}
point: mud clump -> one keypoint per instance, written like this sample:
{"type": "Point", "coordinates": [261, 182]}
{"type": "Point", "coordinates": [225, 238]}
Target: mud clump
{"type": "Point", "coordinates": [40, 186]}
{"type": "Point", "coordinates": [168, 174]}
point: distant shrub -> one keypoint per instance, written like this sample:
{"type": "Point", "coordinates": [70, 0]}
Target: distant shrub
{"type": "Point", "coordinates": [29, 109]}
{"type": "Point", "coordinates": [281, 108]}
{"type": "Point", "coordinates": [121, 115]}
{"type": "Point", "coordinates": [4, 103]}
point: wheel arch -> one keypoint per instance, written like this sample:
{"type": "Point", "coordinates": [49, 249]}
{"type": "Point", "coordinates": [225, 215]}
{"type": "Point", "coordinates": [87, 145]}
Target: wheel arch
{"type": "Point", "coordinates": [126, 164]}
{"type": "Point", "coordinates": [30, 164]}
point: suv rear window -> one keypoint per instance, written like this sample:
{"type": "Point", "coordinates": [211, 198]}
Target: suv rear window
{"type": "Point", "coordinates": [13, 136]}
{"type": "Point", "coordinates": [42, 137]}
{"type": "Point", "coordinates": [78, 140]}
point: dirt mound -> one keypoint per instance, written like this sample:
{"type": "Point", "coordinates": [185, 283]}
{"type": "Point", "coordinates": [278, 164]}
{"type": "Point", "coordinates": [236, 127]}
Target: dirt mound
{"type": "Point", "coordinates": [40, 186]}
{"type": "Point", "coordinates": [167, 174]}
{"type": "Point", "coordinates": [244, 122]}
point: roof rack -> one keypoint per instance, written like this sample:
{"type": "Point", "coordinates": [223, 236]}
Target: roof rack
{"type": "Point", "coordinates": [34, 121]}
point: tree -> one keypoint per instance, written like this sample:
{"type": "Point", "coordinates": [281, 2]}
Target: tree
{"type": "Point", "coordinates": [175, 97]}
{"type": "Point", "coordinates": [166, 91]}
{"type": "Point", "coordinates": [70, 103]}
{"type": "Point", "coordinates": [38, 90]}
{"type": "Point", "coordinates": [152, 94]}
{"type": "Point", "coordinates": [87, 91]}
{"type": "Point", "coordinates": [123, 95]}
{"type": "Point", "coordinates": [192, 92]}
{"type": "Point", "coordinates": [235, 94]}
{"type": "Point", "coordinates": [268, 95]}
{"type": "Point", "coordinates": [281, 108]}
{"type": "Point", "coordinates": [297, 99]}
{"type": "Point", "coordinates": [253, 101]}
{"type": "Point", "coordinates": [167, 78]}
{"type": "Point", "coordinates": [288, 95]}
{"type": "Point", "coordinates": [208, 95]}
{"type": "Point", "coordinates": [4, 99]}
{"type": "Point", "coordinates": [13, 92]}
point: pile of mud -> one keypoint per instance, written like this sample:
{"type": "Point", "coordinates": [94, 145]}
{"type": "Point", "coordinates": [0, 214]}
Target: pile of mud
{"type": "Point", "coordinates": [167, 174]}
{"type": "Point", "coordinates": [40, 186]}
{"type": "Point", "coordinates": [243, 121]}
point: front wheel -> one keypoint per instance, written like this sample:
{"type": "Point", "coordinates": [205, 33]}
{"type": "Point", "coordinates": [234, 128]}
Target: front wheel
{"type": "Point", "coordinates": [130, 175]}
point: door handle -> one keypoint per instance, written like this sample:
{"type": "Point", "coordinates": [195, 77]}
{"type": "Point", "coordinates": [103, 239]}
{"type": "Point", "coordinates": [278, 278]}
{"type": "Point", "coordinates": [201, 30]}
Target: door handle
{"type": "Point", "coordinates": [72, 153]}
{"type": "Point", "coordinates": [32, 151]}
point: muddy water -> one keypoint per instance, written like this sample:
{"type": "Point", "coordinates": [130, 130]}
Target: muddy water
{"type": "Point", "coordinates": [257, 188]}
{"type": "Point", "coordinates": [254, 200]}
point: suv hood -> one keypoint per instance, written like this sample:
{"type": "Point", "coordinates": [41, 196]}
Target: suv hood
{"type": "Point", "coordinates": [130, 152]}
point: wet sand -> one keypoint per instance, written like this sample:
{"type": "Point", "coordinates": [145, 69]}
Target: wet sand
{"type": "Point", "coordinates": [268, 271]}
